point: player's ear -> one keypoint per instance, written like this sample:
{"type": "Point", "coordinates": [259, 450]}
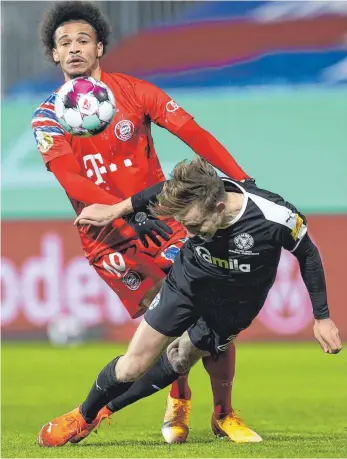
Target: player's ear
{"type": "Point", "coordinates": [55, 55]}
{"type": "Point", "coordinates": [221, 207]}
{"type": "Point", "coordinates": [99, 49]}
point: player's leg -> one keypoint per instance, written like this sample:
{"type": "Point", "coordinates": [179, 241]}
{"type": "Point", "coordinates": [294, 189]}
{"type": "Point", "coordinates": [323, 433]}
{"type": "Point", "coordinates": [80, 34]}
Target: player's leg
{"type": "Point", "coordinates": [221, 374]}
{"type": "Point", "coordinates": [116, 378]}
{"type": "Point", "coordinates": [179, 398]}
{"type": "Point", "coordinates": [175, 427]}
{"type": "Point", "coordinates": [151, 272]}
{"type": "Point", "coordinates": [147, 279]}
{"type": "Point", "coordinates": [216, 334]}
{"type": "Point", "coordinates": [113, 380]}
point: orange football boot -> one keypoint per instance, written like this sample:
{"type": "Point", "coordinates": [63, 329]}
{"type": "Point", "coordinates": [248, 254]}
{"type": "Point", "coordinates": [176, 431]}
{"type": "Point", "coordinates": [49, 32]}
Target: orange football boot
{"type": "Point", "coordinates": [62, 429]}
{"type": "Point", "coordinates": [103, 414]}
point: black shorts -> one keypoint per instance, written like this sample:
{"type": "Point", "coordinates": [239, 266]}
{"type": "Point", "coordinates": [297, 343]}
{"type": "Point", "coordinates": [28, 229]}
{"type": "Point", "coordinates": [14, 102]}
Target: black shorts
{"type": "Point", "coordinates": [212, 319]}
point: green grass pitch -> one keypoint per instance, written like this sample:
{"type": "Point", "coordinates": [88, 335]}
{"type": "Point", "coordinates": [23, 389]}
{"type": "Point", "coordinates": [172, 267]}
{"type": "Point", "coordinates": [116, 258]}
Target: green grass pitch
{"type": "Point", "coordinates": [291, 394]}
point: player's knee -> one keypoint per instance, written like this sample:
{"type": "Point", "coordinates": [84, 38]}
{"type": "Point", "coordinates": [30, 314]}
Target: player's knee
{"type": "Point", "coordinates": [179, 363]}
{"type": "Point", "coordinates": [182, 355]}
{"type": "Point", "coordinates": [132, 368]}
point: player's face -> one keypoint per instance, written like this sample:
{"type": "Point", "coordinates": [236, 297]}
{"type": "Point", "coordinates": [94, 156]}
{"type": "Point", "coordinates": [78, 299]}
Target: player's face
{"type": "Point", "coordinates": [77, 50]}
{"type": "Point", "coordinates": [204, 224]}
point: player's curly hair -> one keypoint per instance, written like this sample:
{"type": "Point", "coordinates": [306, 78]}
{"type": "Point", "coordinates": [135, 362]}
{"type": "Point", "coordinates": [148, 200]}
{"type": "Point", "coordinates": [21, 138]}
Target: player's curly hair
{"type": "Point", "coordinates": [194, 182]}
{"type": "Point", "coordinates": [65, 11]}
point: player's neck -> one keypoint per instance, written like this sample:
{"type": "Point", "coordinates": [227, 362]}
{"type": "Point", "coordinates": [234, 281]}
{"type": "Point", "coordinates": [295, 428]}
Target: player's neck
{"type": "Point", "coordinates": [234, 206]}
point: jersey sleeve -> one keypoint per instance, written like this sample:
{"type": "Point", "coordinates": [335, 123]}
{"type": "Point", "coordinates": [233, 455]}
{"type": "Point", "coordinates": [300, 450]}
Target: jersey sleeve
{"type": "Point", "coordinates": [51, 139]}
{"type": "Point", "coordinates": [293, 228]}
{"type": "Point", "coordinates": [159, 107]}
{"type": "Point", "coordinates": [287, 225]}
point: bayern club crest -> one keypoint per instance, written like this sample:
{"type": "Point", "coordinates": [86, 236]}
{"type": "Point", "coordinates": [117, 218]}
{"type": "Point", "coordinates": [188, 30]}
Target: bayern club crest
{"type": "Point", "coordinates": [124, 130]}
{"type": "Point", "coordinates": [244, 241]}
{"type": "Point", "coordinates": [132, 280]}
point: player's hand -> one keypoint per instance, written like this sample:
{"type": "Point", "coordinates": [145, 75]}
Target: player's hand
{"type": "Point", "coordinates": [327, 334]}
{"type": "Point", "coordinates": [147, 226]}
{"type": "Point", "coordinates": [98, 215]}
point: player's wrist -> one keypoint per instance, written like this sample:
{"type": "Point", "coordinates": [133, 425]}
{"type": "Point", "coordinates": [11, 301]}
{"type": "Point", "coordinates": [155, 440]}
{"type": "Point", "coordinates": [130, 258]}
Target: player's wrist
{"type": "Point", "coordinates": [322, 318]}
{"type": "Point", "coordinates": [122, 208]}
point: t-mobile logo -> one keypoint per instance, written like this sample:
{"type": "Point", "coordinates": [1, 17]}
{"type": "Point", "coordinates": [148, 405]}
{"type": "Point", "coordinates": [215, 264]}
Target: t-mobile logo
{"type": "Point", "coordinates": [96, 168]}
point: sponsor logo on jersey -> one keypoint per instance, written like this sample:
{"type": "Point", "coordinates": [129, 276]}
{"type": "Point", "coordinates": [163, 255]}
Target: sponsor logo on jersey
{"type": "Point", "coordinates": [132, 280]}
{"type": "Point", "coordinates": [124, 130]}
{"type": "Point", "coordinates": [297, 227]}
{"type": "Point", "coordinates": [44, 141]}
{"type": "Point", "coordinates": [229, 264]}
{"type": "Point", "coordinates": [171, 106]}
{"type": "Point", "coordinates": [244, 241]}
{"type": "Point", "coordinates": [170, 253]}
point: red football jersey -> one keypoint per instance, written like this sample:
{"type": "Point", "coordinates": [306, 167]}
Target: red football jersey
{"type": "Point", "coordinates": [122, 160]}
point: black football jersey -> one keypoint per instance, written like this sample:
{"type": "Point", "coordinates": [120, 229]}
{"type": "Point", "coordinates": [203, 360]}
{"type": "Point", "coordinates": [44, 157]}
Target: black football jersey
{"type": "Point", "coordinates": [246, 254]}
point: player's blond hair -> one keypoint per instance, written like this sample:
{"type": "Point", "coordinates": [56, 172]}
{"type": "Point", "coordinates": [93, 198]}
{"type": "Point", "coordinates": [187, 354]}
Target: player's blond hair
{"type": "Point", "coordinates": [194, 182]}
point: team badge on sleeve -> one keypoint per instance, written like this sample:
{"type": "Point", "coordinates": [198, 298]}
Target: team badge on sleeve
{"type": "Point", "coordinates": [44, 141]}
{"type": "Point", "coordinates": [170, 253]}
{"type": "Point", "coordinates": [297, 227]}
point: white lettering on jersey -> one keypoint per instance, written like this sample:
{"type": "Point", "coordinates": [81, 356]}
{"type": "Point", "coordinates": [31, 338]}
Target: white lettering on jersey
{"type": "Point", "coordinates": [230, 264]}
{"type": "Point", "coordinates": [171, 106]}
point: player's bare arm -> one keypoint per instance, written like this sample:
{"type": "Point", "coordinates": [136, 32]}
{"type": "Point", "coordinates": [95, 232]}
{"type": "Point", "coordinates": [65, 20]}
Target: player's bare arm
{"type": "Point", "coordinates": [101, 215]}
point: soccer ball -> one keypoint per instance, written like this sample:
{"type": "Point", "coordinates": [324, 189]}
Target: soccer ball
{"type": "Point", "coordinates": [65, 330]}
{"type": "Point", "coordinates": [84, 106]}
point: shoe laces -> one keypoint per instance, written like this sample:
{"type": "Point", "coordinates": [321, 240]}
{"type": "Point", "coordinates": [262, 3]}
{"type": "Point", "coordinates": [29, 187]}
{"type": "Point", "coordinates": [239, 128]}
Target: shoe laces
{"type": "Point", "coordinates": [69, 423]}
{"type": "Point", "coordinates": [233, 417]}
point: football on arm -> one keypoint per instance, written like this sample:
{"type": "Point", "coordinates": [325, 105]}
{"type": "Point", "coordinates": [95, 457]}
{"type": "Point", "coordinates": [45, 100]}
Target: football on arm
{"type": "Point", "coordinates": [54, 144]}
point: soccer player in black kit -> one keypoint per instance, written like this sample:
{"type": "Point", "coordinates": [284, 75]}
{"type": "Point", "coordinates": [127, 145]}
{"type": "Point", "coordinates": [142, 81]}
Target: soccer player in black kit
{"type": "Point", "coordinates": [218, 283]}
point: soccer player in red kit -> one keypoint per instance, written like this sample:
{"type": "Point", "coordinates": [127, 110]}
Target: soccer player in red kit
{"type": "Point", "coordinates": [114, 165]}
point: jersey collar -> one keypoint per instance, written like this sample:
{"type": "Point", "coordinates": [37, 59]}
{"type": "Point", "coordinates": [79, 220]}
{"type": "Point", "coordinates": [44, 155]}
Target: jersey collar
{"type": "Point", "coordinates": [245, 201]}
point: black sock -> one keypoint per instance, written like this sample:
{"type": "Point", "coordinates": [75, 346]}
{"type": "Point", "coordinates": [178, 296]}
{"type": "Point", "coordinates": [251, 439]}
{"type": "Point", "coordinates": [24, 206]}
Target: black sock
{"type": "Point", "coordinates": [157, 378]}
{"type": "Point", "coordinates": [104, 389]}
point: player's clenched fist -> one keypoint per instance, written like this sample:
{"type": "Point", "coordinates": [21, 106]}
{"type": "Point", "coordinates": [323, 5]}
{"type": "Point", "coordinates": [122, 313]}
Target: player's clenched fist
{"type": "Point", "coordinates": [327, 334]}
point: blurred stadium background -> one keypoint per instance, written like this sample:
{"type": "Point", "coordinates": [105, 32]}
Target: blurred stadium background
{"type": "Point", "coordinates": [268, 79]}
